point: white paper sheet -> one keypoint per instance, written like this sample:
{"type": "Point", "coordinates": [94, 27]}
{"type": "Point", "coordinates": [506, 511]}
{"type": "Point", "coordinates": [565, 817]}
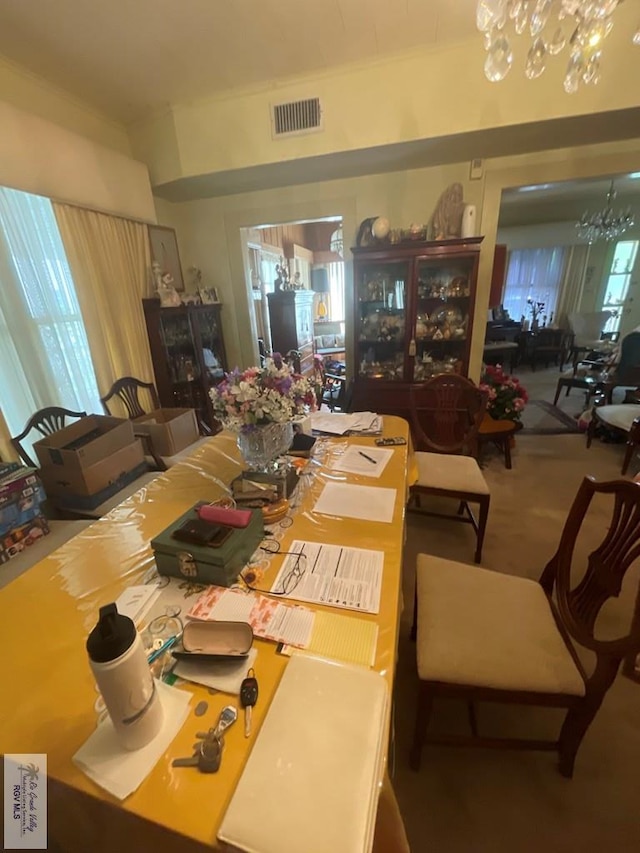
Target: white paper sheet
{"type": "Point", "coordinates": [338, 423]}
{"type": "Point", "coordinates": [362, 459]}
{"type": "Point", "coordinates": [119, 770]}
{"type": "Point", "coordinates": [232, 607]}
{"type": "Point", "coordinates": [292, 625]}
{"type": "Point", "coordinates": [335, 575]}
{"type": "Point", "coordinates": [136, 601]}
{"type": "Point", "coordinates": [370, 503]}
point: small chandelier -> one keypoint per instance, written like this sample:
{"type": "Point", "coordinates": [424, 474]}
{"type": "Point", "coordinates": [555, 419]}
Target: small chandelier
{"type": "Point", "coordinates": [552, 25]}
{"type": "Point", "coordinates": [605, 224]}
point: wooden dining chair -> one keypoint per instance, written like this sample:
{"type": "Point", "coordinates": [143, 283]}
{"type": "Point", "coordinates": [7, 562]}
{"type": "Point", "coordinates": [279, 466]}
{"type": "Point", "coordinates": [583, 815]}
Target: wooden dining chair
{"type": "Point", "coordinates": [488, 636]}
{"type": "Point", "coordinates": [45, 421]}
{"type": "Point", "coordinates": [446, 413]}
{"type": "Point", "coordinates": [127, 390]}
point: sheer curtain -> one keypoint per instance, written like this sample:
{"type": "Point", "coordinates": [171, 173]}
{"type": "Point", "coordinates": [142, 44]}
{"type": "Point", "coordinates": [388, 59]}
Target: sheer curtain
{"type": "Point", "coordinates": [336, 290]}
{"type": "Point", "coordinates": [110, 260]}
{"type": "Point", "coordinates": [535, 273]}
{"type": "Point", "coordinates": [44, 353]}
{"type": "Point", "coordinates": [572, 285]}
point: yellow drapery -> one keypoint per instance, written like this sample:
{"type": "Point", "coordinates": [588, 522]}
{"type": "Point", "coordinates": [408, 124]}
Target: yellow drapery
{"type": "Point", "coordinates": [7, 453]}
{"type": "Point", "coordinates": [109, 259]}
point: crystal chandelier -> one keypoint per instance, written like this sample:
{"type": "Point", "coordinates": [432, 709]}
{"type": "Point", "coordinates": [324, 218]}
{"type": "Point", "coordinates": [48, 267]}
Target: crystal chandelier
{"type": "Point", "coordinates": [605, 224]}
{"type": "Point", "coordinates": [583, 25]}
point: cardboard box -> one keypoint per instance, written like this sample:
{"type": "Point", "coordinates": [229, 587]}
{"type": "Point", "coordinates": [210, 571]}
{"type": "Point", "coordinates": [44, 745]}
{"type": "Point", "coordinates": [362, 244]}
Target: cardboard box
{"type": "Point", "coordinates": [81, 503]}
{"type": "Point", "coordinates": [60, 480]}
{"type": "Point", "coordinates": [84, 442]}
{"type": "Point", "coordinates": [170, 430]}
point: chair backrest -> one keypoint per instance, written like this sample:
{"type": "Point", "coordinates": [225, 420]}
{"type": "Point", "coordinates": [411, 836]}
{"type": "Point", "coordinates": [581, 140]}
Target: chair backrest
{"type": "Point", "coordinates": [628, 369]}
{"type": "Point", "coordinates": [45, 421]}
{"type": "Point", "coordinates": [579, 605]}
{"type": "Point", "coordinates": [587, 326]}
{"type": "Point", "coordinates": [334, 391]}
{"type": "Point", "coordinates": [127, 390]}
{"type": "Point", "coordinates": [446, 413]}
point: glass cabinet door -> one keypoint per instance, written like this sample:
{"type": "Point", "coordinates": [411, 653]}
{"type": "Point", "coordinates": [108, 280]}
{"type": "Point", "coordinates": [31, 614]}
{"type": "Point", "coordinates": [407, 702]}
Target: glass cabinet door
{"type": "Point", "coordinates": [212, 347]}
{"type": "Point", "coordinates": [443, 308]}
{"type": "Point", "coordinates": [381, 289]}
{"type": "Point", "coordinates": [177, 337]}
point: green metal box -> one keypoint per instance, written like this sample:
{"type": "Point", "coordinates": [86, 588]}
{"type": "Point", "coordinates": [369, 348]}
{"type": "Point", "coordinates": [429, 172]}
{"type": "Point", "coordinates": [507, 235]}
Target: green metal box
{"type": "Point", "coordinates": [203, 563]}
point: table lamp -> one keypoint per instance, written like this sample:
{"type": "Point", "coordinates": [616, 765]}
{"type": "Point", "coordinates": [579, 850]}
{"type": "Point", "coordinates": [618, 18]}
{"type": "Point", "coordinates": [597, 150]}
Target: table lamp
{"type": "Point", "coordinates": [320, 284]}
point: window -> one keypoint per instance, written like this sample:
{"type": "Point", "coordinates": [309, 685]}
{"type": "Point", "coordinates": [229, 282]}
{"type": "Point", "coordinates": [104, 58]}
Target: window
{"type": "Point", "coordinates": [336, 291]}
{"type": "Point", "coordinates": [615, 294]}
{"type": "Point", "coordinates": [44, 353]}
{"type": "Point", "coordinates": [535, 274]}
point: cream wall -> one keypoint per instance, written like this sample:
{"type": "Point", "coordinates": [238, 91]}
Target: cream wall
{"type": "Point", "coordinates": [41, 157]}
{"type": "Point", "coordinates": [34, 95]}
{"type": "Point", "coordinates": [209, 230]}
{"type": "Point", "coordinates": [418, 95]}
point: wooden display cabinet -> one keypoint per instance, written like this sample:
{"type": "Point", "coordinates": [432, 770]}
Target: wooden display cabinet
{"type": "Point", "coordinates": [414, 305]}
{"type": "Point", "coordinates": [291, 321]}
{"type": "Point", "coordinates": [189, 358]}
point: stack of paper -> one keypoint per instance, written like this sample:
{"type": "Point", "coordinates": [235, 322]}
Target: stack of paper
{"type": "Point", "coordinates": [335, 423]}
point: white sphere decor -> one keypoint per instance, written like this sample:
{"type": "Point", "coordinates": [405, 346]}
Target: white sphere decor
{"type": "Point", "coordinates": [380, 228]}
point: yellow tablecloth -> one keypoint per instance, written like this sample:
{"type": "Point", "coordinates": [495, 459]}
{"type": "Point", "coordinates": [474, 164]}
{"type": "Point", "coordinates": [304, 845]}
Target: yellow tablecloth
{"type": "Point", "coordinates": [48, 693]}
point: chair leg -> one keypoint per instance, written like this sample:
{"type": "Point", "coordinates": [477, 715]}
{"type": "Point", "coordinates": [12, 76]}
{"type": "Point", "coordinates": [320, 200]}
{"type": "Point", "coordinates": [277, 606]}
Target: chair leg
{"type": "Point", "coordinates": [573, 731]}
{"type": "Point", "coordinates": [482, 525]}
{"type": "Point", "coordinates": [414, 624]}
{"type": "Point", "coordinates": [506, 446]}
{"type": "Point", "coordinates": [473, 718]}
{"type": "Point", "coordinates": [627, 456]}
{"type": "Point", "coordinates": [423, 713]}
{"type": "Point", "coordinates": [558, 390]}
{"type": "Point", "coordinates": [461, 508]}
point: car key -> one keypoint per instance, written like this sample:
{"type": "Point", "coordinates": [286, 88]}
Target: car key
{"type": "Point", "coordinates": [248, 698]}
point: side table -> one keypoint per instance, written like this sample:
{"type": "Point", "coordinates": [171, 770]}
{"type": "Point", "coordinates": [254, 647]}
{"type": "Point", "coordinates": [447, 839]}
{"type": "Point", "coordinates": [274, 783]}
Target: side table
{"type": "Point", "coordinates": [500, 433]}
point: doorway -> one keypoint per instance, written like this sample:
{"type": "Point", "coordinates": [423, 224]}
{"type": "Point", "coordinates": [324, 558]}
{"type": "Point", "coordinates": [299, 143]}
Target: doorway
{"type": "Point", "coordinates": [304, 258]}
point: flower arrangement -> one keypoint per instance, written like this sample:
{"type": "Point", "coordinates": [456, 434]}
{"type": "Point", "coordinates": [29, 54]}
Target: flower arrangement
{"type": "Point", "coordinates": [257, 396]}
{"type": "Point", "coordinates": [536, 308]}
{"type": "Point", "coordinates": [507, 397]}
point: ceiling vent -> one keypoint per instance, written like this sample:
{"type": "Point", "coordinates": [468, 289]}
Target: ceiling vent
{"type": "Point", "coordinates": [296, 117]}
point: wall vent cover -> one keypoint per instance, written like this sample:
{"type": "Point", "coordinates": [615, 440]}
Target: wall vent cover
{"type": "Point", "coordinates": [296, 117]}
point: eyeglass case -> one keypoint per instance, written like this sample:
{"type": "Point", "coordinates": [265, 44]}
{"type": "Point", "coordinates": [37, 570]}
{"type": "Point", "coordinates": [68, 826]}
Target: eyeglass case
{"type": "Point", "coordinates": [214, 641]}
{"type": "Point", "coordinates": [203, 563]}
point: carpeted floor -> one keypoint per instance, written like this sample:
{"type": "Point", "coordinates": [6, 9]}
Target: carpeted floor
{"type": "Point", "coordinates": [491, 801]}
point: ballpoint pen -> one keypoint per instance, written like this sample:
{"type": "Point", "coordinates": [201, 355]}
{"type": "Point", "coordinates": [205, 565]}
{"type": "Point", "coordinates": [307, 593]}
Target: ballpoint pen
{"type": "Point", "coordinates": [368, 458]}
{"type": "Point", "coordinates": [163, 648]}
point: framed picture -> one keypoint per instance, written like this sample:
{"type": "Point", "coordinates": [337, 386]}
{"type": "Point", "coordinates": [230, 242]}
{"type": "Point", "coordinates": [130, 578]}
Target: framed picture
{"type": "Point", "coordinates": [208, 295]}
{"type": "Point", "coordinates": [164, 251]}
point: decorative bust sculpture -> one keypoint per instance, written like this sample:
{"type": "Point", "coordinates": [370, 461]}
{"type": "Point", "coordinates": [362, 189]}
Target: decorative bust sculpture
{"type": "Point", "coordinates": [447, 217]}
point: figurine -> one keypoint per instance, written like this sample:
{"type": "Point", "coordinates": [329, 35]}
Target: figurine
{"type": "Point", "coordinates": [447, 217]}
{"type": "Point", "coordinates": [365, 236]}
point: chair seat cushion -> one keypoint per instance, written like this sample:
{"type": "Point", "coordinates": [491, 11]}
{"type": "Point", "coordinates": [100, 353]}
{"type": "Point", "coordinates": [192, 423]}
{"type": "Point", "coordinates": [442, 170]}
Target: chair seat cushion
{"type": "Point", "coordinates": [486, 629]}
{"type": "Point", "coordinates": [450, 472]}
{"type": "Point", "coordinates": [620, 416]}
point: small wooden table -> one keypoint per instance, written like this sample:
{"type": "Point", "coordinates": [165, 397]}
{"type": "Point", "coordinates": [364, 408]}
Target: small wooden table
{"type": "Point", "coordinates": [500, 433]}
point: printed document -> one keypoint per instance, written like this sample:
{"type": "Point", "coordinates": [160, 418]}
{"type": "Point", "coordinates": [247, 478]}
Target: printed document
{"type": "Point", "coordinates": [334, 575]}
{"type": "Point", "coordinates": [370, 503]}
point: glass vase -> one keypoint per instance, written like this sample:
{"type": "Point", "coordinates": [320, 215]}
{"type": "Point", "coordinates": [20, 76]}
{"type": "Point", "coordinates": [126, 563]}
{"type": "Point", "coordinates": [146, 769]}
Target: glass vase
{"type": "Point", "coordinates": [260, 446]}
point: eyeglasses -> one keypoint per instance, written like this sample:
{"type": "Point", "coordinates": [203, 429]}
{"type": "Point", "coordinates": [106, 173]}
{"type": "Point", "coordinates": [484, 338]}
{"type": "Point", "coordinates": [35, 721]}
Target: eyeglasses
{"type": "Point", "coordinates": [289, 582]}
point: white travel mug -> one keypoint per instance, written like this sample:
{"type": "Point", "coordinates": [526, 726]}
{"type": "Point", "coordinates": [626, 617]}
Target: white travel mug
{"type": "Point", "coordinates": [120, 667]}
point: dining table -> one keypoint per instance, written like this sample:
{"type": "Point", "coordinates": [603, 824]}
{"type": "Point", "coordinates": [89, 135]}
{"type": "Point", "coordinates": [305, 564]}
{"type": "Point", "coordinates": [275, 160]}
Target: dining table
{"type": "Point", "coordinates": [48, 701]}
